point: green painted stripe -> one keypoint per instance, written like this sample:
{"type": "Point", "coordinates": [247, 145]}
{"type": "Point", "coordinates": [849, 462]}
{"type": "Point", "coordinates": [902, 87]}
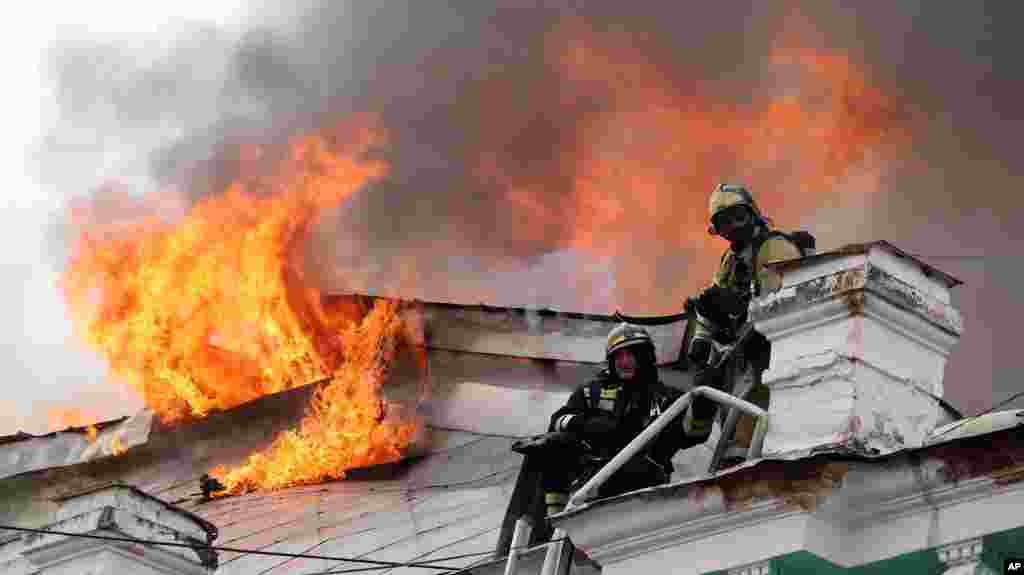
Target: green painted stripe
{"type": "Point", "coordinates": [804, 563]}
{"type": "Point", "coordinates": [1002, 545]}
{"type": "Point", "coordinates": [807, 563]}
{"type": "Point", "coordinates": [996, 548]}
{"type": "Point", "coordinates": [924, 562]}
{"type": "Point", "coordinates": [797, 563]}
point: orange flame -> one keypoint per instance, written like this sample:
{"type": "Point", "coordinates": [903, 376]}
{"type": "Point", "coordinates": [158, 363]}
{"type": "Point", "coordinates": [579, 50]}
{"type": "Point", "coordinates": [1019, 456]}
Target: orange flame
{"type": "Point", "coordinates": [655, 147]}
{"type": "Point", "coordinates": [659, 152]}
{"type": "Point", "coordinates": [62, 418]}
{"type": "Point", "coordinates": [213, 310]}
{"type": "Point", "coordinates": [345, 427]}
{"type": "Point", "coordinates": [116, 447]}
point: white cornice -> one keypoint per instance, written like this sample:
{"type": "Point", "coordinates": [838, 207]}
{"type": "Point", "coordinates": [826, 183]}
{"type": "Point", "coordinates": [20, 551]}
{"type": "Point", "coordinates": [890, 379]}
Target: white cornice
{"type": "Point", "coordinates": [617, 534]}
{"type": "Point", "coordinates": [871, 494]}
{"type": "Point", "coordinates": [810, 369]}
{"type": "Point", "coordinates": [121, 523]}
{"type": "Point", "coordinates": [961, 552]}
{"type": "Point", "coordinates": [759, 568]}
{"type": "Point", "coordinates": [831, 365]}
{"type": "Point", "coordinates": [812, 315]}
{"type": "Point", "coordinates": [870, 291]}
{"type": "Point", "coordinates": [875, 509]}
{"type": "Point", "coordinates": [910, 324]}
{"type": "Point", "coordinates": [81, 551]}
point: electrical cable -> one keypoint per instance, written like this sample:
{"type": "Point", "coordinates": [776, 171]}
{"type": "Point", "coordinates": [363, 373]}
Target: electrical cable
{"type": "Point", "coordinates": [440, 559]}
{"type": "Point", "coordinates": [407, 490]}
{"type": "Point", "coordinates": [403, 540]}
{"type": "Point", "coordinates": [198, 546]}
{"type": "Point", "coordinates": [337, 537]}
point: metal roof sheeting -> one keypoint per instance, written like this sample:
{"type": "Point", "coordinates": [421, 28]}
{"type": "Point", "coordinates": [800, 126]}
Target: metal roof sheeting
{"type": "Point", "coordinates": [73, 446]}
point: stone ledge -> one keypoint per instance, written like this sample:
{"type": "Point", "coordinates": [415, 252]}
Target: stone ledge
{"type": "Point", "coordinates": [122, 511]}
{"type": "Point", "coordinates": [961, 552]}
{"type": "Point", "coordinates": [760, 568]}
{"type": "Point", "coordinates": [111, 522]}
{"type": "Point", "coordinates": [845, 290]}
{"type": "Point", "coordinates": [846, 510]}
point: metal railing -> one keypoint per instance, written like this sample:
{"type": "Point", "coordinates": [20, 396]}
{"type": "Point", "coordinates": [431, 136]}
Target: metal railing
{"type": "Point", "coordinates": [659, 424]}
{"type": "Point", "coordinates": [521, 536]}
{"type": "Point", "coordinates": [556, 552]}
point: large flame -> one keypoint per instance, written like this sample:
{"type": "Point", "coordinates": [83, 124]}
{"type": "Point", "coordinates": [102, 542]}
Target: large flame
{"type": "Point", "coordinates": [658, 149]}
{"type": "Point", "coordinates": [653, 144]}
{"type": "Point", "coordinates": [212, 310]}
{"type": "Point", "coordinates": [346, 425]}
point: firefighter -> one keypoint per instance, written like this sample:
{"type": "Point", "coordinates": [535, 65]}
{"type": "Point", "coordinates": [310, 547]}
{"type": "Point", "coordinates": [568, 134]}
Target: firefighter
{"type": "Point", "coordinates": [721, 309]}
{"type": "Point", "coordinates": [605, 414]}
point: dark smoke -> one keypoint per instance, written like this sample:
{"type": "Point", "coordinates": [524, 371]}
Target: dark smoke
{"type": "Point", "coordinates": [473, 105]}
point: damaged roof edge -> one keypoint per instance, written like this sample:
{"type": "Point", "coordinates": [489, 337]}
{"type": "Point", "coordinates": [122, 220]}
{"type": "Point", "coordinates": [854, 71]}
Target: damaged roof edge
{"type": "Point", "coordinates": [836, 453]}
{"type": "Point", "coordinates": [543, 312]}
{"type": "Point", "coordinates": [83, 430]}
{"type": "Point", "coordinates": [864, 248]}
{"type": "Point", "coordinates": [210, 529]}
{"type": "Point", "coordinates": [481, 306]}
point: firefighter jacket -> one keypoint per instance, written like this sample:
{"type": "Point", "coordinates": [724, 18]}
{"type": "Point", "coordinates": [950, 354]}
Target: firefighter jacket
{"type": "Point", "coordinates": [737, 276]}
{"type": "Point", "coordinates": [633, 406]}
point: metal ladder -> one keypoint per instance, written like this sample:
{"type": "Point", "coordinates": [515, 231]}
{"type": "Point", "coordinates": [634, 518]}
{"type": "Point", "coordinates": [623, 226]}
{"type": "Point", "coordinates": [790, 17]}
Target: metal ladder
{"type": "Point", "coordinates": [726, 449]}
{"type": "Point", "coordinates": [558, 553]}
{"type": "Point", "coordinates": [558, 558]}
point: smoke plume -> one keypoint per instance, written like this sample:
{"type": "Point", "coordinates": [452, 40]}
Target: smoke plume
{"type": "Point", "coordinates": [573, 148]}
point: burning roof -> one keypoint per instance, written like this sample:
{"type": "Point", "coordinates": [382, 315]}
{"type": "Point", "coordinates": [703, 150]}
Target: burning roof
{"type": "Point", "coordinates": [510, 349]}
{"type": "Point", "coordinates": [221, 304]}
{"type": "Point", "coordinates": [212, 311]}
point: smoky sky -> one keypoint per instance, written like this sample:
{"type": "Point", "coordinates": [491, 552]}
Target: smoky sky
{"type": "Point", "coordinates": [456, 82]}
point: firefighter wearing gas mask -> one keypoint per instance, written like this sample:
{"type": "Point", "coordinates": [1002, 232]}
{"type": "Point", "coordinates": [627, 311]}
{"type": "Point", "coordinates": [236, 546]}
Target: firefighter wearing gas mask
{"type": "Point", "coordinates": [605, 414]}
{"type": "Point", "coordinates": [721, 309]}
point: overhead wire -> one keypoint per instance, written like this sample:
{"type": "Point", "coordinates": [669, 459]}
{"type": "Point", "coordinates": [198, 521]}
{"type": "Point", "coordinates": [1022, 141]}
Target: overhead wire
{"type": "Point", "coordinates": [335, 538]}
{"type": "Point", "coordinates": [384, 507]}
{"type": "Point", "coordinates": [474, 565]}
{"type": "Point", "coordinates": [429, 564]}
{"type": "Point", "coordinates": [403, 540]}
{"type": "Point", "coordinates": [202, 547]}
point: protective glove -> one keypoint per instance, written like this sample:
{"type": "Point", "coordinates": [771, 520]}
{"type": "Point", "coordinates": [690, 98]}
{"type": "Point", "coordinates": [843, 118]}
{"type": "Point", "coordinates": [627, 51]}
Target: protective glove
{"type": "Point", "coordinates": [710, 377]}
{"type": "Point", "coordinates": [719, 304]}
{"type": "Point", "coordinates": [553, 442]}
{"type": "Point", "coordinates": [598, 424]}
{"type": "Point", "coordinates": [699, 353]}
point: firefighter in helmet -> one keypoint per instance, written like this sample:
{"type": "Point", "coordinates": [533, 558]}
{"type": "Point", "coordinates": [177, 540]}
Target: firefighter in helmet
{"type": "Point", "coordinates": [606, 413]}
{"type": "Point", "coordinates": [721, 309]}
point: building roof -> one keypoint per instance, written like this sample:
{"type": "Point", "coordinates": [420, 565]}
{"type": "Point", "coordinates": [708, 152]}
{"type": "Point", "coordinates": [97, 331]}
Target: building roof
{"type": "Point", "coordinates": [989, 434]}
{"type": "Point", "coordinates": [449, 497]}
{"type": "Point", "coordinates": [848, 512]}
{"type": "Point", "coordinates": [81, 430]}
{"type": "Point", "coordinates": [533, 333]}
{"type": "Point", "coordinates": [866, 247]}
{"type": "Point", "coordinates": [112, 489]}
{"type": "Point", "coordinates": [454, 333]}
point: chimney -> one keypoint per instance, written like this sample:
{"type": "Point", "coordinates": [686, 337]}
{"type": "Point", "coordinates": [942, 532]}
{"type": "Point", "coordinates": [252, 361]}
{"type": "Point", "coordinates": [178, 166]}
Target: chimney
{"type": "Point", "coordinates": [860, 338]}
{"type": "Point", "coordinates": [124, 512]}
